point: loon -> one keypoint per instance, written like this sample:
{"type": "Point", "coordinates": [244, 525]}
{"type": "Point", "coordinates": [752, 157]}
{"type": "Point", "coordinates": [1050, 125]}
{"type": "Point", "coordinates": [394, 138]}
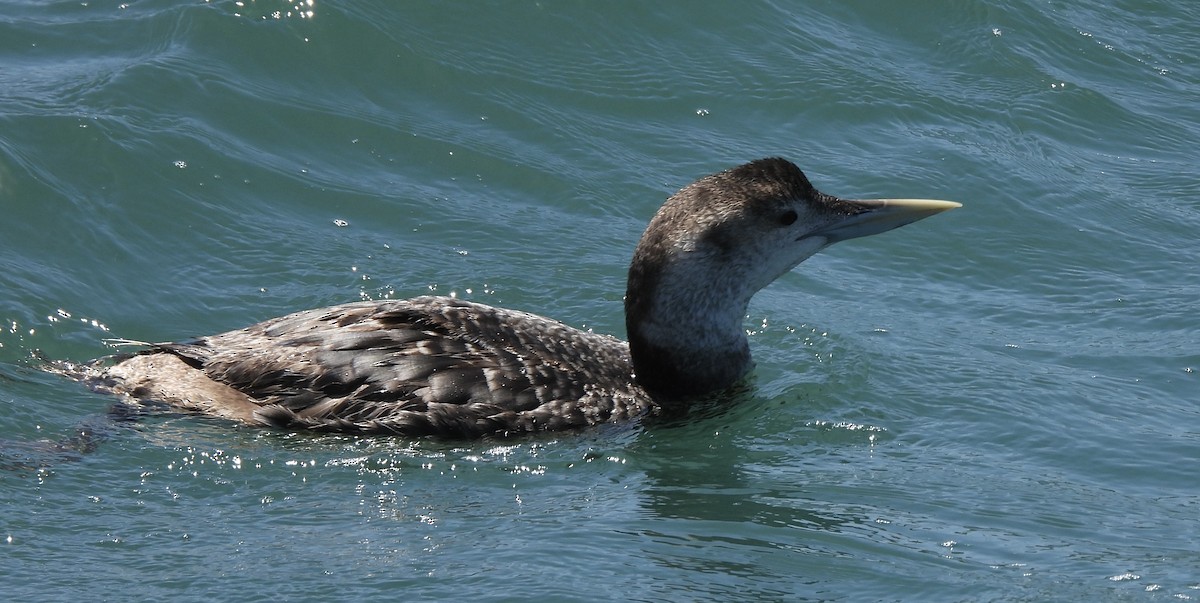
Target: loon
{"type": "Point", "coordinates": [441, 366]}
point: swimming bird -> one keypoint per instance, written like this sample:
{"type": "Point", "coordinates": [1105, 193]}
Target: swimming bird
{"type": "Point", "coordinates": [448, 367]}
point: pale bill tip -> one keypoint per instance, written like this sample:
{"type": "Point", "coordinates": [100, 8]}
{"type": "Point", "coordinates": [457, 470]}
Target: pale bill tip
{"type": "Point", "coordinates": [921, 204]}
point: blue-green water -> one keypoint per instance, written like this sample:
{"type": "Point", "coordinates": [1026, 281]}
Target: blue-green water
{"type": "Point", "coordinates": [999, 403]}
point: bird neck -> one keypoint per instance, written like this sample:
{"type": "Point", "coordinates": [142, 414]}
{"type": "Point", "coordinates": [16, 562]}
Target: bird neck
{"type": "Point", "coordinates": [685, 327]}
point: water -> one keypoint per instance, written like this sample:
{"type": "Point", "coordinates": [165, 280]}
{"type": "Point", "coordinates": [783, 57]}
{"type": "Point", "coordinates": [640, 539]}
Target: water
{"type": "Point", "coordinates": [999, 403]}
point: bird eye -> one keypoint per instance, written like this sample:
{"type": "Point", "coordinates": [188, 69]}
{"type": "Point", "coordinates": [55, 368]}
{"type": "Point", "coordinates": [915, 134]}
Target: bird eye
{"type": "Point", "coordinates": [788, 218]}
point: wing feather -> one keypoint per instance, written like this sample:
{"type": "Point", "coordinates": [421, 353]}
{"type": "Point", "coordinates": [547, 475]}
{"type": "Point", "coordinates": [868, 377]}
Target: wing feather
{"type": "Point", "coordinates": [424, 365]}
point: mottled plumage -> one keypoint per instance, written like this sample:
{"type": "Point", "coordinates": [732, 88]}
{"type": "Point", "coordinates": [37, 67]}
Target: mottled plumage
{"type": "Point", "coordinates": [419, 366]}
{"type": "Point", "coordinates": [437, 365]}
